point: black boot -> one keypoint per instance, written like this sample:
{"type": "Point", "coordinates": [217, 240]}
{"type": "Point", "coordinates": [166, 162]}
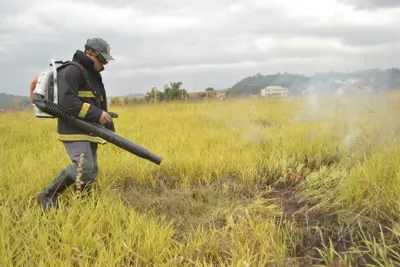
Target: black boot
{"type": "Point", "coordinates": [48, 198]}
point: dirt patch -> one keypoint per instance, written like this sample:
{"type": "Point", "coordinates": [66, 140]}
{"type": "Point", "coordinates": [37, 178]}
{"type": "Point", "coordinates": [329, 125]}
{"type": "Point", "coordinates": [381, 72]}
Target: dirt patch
{"type": "Point", "coordinates": [318, 229]}
{"type": "Point", "coordinates": [315, 227]}
{"type": "Point", "coordinates": [205, 205]}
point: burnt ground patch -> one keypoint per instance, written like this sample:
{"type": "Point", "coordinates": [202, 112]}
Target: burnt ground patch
{"type": "Point", "coordinates": [323, 231]}
{"type": "Point", "coordinates": [316, 228]}
{"type": "Point", "coordinates": [206, 206]}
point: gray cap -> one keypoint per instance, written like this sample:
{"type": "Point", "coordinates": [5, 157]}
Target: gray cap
{"type": "Point", "coordinates": [100, 45]}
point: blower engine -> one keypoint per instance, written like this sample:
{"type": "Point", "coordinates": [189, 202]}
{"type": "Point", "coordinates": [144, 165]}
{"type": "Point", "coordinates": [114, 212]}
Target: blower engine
{"type": "Point", "coordinates": [44, 98]}
{"type": "Point", "coordinates": [45, 85]}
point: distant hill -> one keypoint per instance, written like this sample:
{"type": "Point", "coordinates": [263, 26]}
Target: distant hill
{"type": "Point", "coordinates": [388, 79]}
{"type": "Point", "coordinates": [254, 84]}
{"type": "Point", "coordinates": [8, 101]}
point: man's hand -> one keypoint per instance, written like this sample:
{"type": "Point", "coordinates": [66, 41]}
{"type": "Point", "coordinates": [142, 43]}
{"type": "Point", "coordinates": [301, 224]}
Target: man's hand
{"type": "Point", "coordinates": [105, 118]}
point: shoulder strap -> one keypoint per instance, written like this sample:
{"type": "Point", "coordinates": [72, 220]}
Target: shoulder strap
{"type": "Point", "coordinates": [66, 63]}
{"type": "Point", "coordinates": [82, 69]}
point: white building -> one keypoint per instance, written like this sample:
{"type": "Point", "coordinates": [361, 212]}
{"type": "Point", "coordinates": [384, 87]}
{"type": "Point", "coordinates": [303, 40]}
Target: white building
{"type": "Point", "coordinates": [274, 91]}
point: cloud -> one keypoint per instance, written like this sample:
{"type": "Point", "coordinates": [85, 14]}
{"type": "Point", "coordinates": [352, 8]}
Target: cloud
{"type": "Point", "coordinates": [203, 43]}
{"type": "Point", "coordinates": [372, 4]}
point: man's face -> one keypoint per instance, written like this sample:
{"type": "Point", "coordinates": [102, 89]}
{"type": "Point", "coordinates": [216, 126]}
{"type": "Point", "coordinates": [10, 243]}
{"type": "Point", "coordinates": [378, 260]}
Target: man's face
{"type": "Point", "coordinates": [99, 62]}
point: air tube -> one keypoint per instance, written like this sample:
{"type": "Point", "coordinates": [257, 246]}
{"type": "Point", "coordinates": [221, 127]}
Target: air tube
{"type": "Point", "coordinates": [94, 129]}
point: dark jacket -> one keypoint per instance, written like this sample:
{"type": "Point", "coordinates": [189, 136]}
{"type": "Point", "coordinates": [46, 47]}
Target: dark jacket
{"type": "Point", "coordinates": [82, 93]}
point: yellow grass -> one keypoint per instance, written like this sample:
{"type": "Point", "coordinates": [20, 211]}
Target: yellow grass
{"type": "Point", "coordinates": [216, 199]}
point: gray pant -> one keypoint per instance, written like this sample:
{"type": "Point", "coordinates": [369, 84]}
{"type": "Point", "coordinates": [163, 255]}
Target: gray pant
{"type": "Point", "coordinates": [90, 168]}
{"type": "Point", "coordinates": [67, 176]}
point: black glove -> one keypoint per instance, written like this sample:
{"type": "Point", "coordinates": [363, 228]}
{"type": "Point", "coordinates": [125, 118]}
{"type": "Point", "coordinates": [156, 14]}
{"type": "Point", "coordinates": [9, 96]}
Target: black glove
{"type": "Point", "coordinates": [110, 126]}
{"type": "Point", "coordinates": [113, 115]}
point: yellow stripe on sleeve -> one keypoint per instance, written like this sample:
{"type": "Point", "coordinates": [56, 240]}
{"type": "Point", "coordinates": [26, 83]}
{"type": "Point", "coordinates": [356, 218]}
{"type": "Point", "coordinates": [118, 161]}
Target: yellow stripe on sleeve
{"type": "Point", "coordinates": [84, 110]}
{"type": "Point", "coordinates": [86, 94]}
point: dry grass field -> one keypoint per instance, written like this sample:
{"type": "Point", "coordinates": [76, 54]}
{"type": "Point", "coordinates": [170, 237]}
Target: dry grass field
{"type": "Point", "coordinates": [256, 182]}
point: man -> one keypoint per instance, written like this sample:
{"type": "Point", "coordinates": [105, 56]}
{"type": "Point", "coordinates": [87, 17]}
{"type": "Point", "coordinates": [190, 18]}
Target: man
{"type": "Point", "coordinates": [82, 93]}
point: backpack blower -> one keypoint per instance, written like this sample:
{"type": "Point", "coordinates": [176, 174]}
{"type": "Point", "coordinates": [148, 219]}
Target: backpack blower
{"type": "Point", "coordinates": [44, 98]}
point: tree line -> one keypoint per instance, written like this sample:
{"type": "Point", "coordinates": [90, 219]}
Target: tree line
{"type": "Point", "coordinates": [172, 92]}
{"type": "Point", "coordinates": [8, 101]}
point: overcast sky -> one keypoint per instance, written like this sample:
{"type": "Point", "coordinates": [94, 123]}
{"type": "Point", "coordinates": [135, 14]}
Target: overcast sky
{"type": "Point", "coordinates": [202, 43]}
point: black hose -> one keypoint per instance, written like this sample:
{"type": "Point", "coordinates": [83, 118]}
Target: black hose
{"type": "Point", "coordinates": [95, 129]}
